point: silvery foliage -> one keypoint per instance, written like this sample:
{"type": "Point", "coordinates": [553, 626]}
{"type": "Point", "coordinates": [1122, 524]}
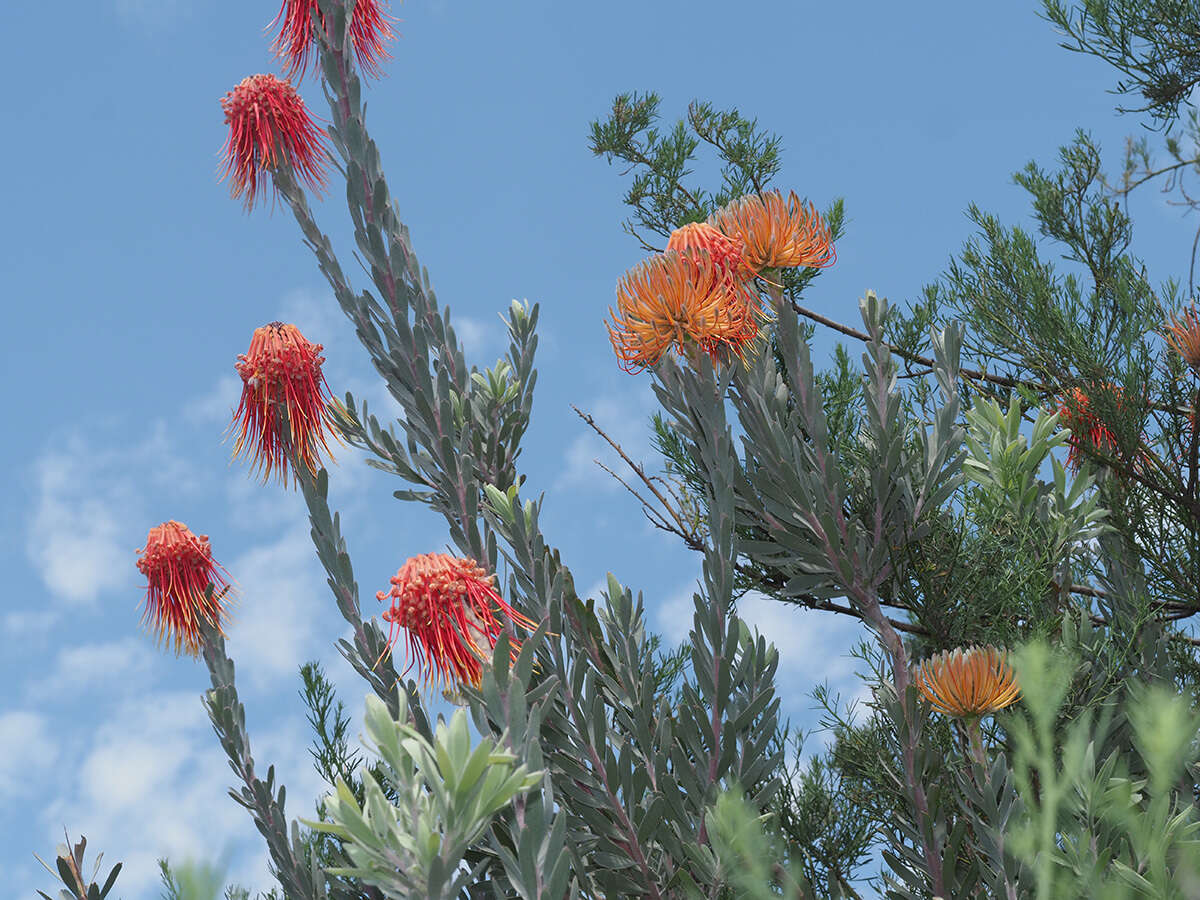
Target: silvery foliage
{"type": "Point", "coordinates": [1007, 464]}
{"type": "Point", "coordinates": [446, 792]}
{"type": "Point", "coordinates": [628, 781]}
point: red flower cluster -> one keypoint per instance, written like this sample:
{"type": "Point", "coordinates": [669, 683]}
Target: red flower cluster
{"type": "Point", "coordinates": [370, 30]}
{"type": "Point", "coordinates": [180, 568]}
{"type": "Point", "coordinates": [445, 604]}
{"type": "Point", "coordinates": [281, 373]}
{"type": "Point", "coordinates": [1087, 429]}
{"type": "Point", "coordinates": [268, 127]}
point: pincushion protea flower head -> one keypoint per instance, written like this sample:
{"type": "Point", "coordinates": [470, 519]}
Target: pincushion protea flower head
{"type": "Point", "coordinates": [1184, 336]}
{"type": "Point", "coordinates": [281, 374]}
{"type": "Point", "coordinates": [269, 125]}
{"type": "Point", "coordinates": [729, 261]}
{"type": "Point", "coordinates": [726, 252]}
{"type": "Point", "coordinates": [777, 232]}
{"type": "Point", "coordinates": [445, 604]}
{"type": "Point", "coordinates": [370, 29]}
{"type": "Point", "coordinates": [679, 299]}
{"type": "Point", "coordinates": [968, 682]}
{"type": "Point", "coordinates": [180, 567]}
{"type": "Point", "coordinates": [1087, 429]}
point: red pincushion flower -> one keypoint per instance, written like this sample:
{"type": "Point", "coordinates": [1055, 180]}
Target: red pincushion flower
{"type": "Point", "coordinates": [446, 606]}
{"type": "Point", "coordinates": [1087, 429]}
{"type": "Point", "coordinates": [370, 29]}
{"type": "Point", "coordinates": [281, 373]}
{"type": "Point", "coordinates": [269, 125]}
{"type": "Point", "coordinates": [180, 567]}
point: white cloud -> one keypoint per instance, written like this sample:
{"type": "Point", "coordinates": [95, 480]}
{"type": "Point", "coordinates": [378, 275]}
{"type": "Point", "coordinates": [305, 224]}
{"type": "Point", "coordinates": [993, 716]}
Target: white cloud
{"type": "Point", "coordinates": [219, 404]}
{"type": "Point", "coordinates": [92, 668]}
{"type": "Point", "coordinates": [625, 419]}
{"type": "Point", "coordinates": [29, 751]}
{"type": "Point", "coordinates": [75, 538]}
{"type": "Point", "coordinates": [476, 335]}
{"type": "Point", "coordinates": [26, 624]}
{"type": "Point", "coordinates": [153, 781]}
{"type": "Point", "coordinates": [282, 593]}
{"type": "Point", "coordinates": [673, 616]}
{"type": "Point", "coordinates": [85, 526]}
{"type": "Point", "coordinates": [152, 14]}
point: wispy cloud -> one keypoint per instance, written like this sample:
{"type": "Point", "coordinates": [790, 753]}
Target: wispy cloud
{"type": "Point", "coordinates": [218, 404]}
{"type": "Point", "coordinates": [29, 751]}
{"type": "Point", "coordinates": [282, 593]}
{"type": "Point", "coordinates": [86, 523]}
{"type": "Point", "coordinates": [625, 418]}
{"type": "Point", "coordinates": [152, 14]}
{"type": "Point", "coordinates": [87, 669]}
{"type": "Point", "coordinates": [24, 624]}
{"type": "Point", "coordinates": [152, 782]}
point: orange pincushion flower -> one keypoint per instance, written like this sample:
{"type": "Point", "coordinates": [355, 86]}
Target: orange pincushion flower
{"type": "Point", "coordinates": [282, 370]}
{"type": "Point", "coordinates": [777, 232]}
{"type": "Point", "coordinates": [446, 606]}
{"type": "Point", "coordinates": [1184, 336]}
{"type": "Point", "coordinates": [972, 682]}
{"type": "Point", "coordinates": [729, 261]}
{"type": "Point", "coordinates": [269, 125]}
{"type": "Point", "coordinates": [726, 252]}
{"type": "Point", "coordinates": [180, 567]}
{"type": "Point", "coordinates": [1087, 430]}
{"type": "Point", "coordinates": [370, 29]}
{"type": "Point", "coordinates": [675, 298]}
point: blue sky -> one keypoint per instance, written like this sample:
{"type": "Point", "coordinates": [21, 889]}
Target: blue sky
{"type": "Point", "coordinates": [132, 281]}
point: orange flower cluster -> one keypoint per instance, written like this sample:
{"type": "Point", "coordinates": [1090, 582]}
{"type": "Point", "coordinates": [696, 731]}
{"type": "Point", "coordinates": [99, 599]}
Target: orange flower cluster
{"type": "Point", "coordinates": [777, 233]}
{"type": "Point", "coordinates": [968, 683]}
{"type": "Point", "coordinates": [1087, 429]}
{"type": "Point", "coordinates": [446, 606]}
{"type": "Point", "coordinates": [701, 291]}
{"type": "Point", "coordinates": [179, 567]}
{"type": "Point", "coordinates": [1183, 334]}
{"type": "Point", "coordinates": [281, 373]}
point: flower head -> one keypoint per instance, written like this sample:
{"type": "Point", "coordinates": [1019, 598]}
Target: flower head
{"type": "Point", "coordinates": [445, 604]}
{"type": "Point", "coordinates": [281, 373]}
{"type": "Point", "coordinates": [730, 263]}
{"type": "Point", "coordinates": [971, 682]}
{"type": "Point", "coordinates": [1184, 336]}
{"type": "Point", "coordinates": [777, 232]}
{"type": "Point", "coordinates": [269, 125]}
{"type": "Point", "coordinates": [1088, 431]}
{"type": "Point", "coordinates": [180, 568]}
{"type": "Point", "coordinates": [678, 299]}
{"type": "Point", "coordinates": [370, 29]}
{"type": "Point", "coordinates": [726, 252]}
